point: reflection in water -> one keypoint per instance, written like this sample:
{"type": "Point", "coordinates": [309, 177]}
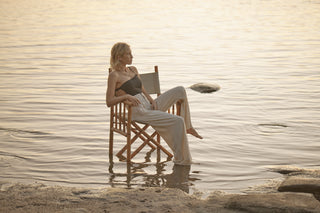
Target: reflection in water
{"type": "Point", "coordinates": [179, 178]}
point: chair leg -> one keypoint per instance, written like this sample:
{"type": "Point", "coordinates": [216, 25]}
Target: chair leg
{"type": "Point", "coordinates": [146, 142]}
{"type": "Point", "coordinates": [179, 107]}
{"type": "Point", "coordinates": [111, 143]}
{"type": "Point", "coordinates": [129, 147]}
{"type": "Point", "coordinates": [158, 148]}
{"type": "Point", "coordinates": [138, 134]}
{"type": "Point", "coordinates": [111, 133]}
{"type": "Point", "coordinates": [119, 154]}
{"type": "Point", "coordinates": [154, 141]}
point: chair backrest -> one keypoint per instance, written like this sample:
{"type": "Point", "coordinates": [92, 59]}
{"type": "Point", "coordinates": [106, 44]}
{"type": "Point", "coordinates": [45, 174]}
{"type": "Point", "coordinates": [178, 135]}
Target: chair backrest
{"type": "Point", "coordinates": [151, 82]}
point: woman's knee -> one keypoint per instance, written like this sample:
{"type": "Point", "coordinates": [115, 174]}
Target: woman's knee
{"type": "Point", "coordinates": [179, 120]}
{"type": "Point", "coordinates": [181, 91]}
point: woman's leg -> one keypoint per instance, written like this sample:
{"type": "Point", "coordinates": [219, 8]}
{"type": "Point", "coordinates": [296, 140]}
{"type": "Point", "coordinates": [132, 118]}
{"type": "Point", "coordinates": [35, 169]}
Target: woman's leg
{"type": "Point", "coordinates": [172, 130]}
{"type": "Point", "coordinates": [170, 97]}
{"type": "Point", "coordinates": [167, 99]}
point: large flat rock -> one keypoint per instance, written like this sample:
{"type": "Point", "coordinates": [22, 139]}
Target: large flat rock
{"type": "Point", "coordinates": [300, 184]}
{"type": "Point", "coordinates": [275, 203]}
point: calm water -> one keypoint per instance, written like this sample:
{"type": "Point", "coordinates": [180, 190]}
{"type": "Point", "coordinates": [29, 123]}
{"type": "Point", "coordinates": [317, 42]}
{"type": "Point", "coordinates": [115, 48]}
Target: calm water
{"type": "Point", "coordinates": [265, 55]}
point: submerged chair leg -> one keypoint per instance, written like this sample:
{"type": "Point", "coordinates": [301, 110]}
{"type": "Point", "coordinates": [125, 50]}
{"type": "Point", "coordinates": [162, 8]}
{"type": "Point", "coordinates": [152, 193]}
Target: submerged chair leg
{"type": "Point", "coordinates": [128, 148]}
{"type": "Point", "coordinates": [158, 148]}
{"type": "Point", "coordinates": [111, 143]}
{"type": "Point", "coordinates": [111, 133]}
{"type": "Point", "coordinates": [129, 135]}
{"type": "Point", "coordinates": [111, 147]}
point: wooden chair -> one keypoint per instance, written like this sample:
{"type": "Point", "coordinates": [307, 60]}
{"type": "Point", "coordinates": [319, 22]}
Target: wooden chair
{"type": "Point", "coordinates": [121, 122]}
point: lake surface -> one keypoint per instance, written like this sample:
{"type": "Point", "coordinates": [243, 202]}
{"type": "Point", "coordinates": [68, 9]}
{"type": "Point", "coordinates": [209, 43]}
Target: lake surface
{"type": "Point", "coordinates": [265, 55]}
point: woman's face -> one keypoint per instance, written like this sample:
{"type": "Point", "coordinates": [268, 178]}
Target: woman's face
{"type": "Point", "coordinates": [127, 57]}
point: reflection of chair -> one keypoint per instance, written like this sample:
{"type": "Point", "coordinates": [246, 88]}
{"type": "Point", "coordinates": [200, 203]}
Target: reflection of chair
{"type": "Point", "coordinates": [179, 178]}
{"type": "Point", "coordinates": [121, 122]}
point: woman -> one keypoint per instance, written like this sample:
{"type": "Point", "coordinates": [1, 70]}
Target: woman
{"type": "Point", "coordinates": [124, 84]}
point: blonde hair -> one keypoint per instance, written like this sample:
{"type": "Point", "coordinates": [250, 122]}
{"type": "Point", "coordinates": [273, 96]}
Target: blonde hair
{"type": "Point", "coordinates": [118, 50]}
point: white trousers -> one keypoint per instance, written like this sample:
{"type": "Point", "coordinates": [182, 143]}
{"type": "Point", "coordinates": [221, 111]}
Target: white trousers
{"type": "Point", "coordinates": [172, 128]}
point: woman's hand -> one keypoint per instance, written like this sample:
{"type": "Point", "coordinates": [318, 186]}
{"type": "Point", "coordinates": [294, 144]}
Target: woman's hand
{"type": "Point", "coordinates": [135, 101]}
{"type": "Point", "coordinates": [154, 105]}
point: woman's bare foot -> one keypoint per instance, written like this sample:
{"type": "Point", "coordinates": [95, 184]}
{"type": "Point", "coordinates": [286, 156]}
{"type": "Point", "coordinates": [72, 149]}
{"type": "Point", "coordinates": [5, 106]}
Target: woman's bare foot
{"type": "Point", "coordinates": [193, 132]}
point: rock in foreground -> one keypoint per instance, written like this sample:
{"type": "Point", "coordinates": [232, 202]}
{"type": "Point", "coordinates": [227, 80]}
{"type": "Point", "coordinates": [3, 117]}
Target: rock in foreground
{"type": "Point", "coordinates": [274, 203]}
{"type": "Point", "coordinates": [301, 184]}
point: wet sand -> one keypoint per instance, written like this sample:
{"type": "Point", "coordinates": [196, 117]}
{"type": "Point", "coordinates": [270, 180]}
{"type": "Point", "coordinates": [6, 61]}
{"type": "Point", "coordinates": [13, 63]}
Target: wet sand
{"type": "Point", "coordinates": [289, 195]}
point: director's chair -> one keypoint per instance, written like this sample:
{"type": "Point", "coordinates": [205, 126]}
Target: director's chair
{"type": "Point", "coordinates": [121, 122]}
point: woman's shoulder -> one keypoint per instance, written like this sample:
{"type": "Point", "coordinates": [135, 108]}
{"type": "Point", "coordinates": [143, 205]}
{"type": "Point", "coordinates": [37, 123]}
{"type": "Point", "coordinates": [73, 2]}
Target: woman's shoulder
{"type": "Point", "coordinates": [113, 74]}
{"type": "Point", "coordinates": [133, 69]}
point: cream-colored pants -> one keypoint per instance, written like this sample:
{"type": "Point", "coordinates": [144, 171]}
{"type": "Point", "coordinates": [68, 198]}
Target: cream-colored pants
{"type": "Point", "coordinates": [172, 128]}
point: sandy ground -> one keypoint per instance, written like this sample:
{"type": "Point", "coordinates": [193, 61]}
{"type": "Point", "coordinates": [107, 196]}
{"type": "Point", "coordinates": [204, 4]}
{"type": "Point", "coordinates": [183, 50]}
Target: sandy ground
{"type": "Point", "coordinates": [41, 198]}
{"type": "Point", "coordinates": [298, 192]}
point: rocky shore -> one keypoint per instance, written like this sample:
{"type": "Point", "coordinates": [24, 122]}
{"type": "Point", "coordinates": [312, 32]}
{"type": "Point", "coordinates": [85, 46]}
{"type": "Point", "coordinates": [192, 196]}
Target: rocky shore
{"type": "Point", "coordinates": [298, 192]}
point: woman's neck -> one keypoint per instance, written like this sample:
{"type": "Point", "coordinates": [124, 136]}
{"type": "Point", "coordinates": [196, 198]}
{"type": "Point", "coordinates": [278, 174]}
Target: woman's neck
{"type": "Point", "coordinates": [121, 68]}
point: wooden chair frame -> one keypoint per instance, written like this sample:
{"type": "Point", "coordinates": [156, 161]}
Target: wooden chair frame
{"type": "Point", "coordinates": [121, 122]}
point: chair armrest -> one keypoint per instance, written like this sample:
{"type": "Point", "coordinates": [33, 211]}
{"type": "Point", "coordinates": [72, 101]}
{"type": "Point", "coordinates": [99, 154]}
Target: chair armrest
{"type": "Point", "coordinates": [127, 103]}
{"type": "Point", "coordinates": [124, 102]}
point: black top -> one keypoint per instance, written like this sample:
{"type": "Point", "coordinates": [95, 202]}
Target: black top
{"type": "Point", "coordinates": [132, 86]}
